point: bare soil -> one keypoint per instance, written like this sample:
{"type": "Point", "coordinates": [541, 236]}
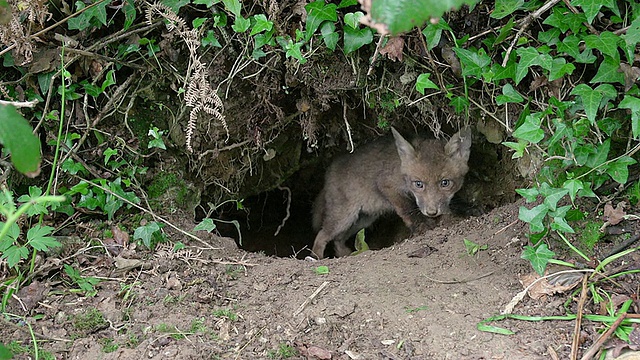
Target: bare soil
{"type": "Point", "coordinates": [231, 304]}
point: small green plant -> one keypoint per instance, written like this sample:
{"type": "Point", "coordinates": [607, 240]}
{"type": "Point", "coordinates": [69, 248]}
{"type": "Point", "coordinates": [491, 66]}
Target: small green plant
{"type": "Point", "coordinates": [108, 345]}
{"type": "Point", "coordinates": [416, 309]}
{"type": "Point", "coordinates": [149, 234]}
{"type": "Point", "coordinates": [284, 351]}
{"type": "Point", "coordinates": [321, 270]}
{"type": "Point", "coordinates": [473, 248]}
{"type": "Point", "coordinates": [90, 321]}
{"type": "Point", "coordinates": [234, 271]}
{"type": "Point", "coordinates": [360, 243]}
{"type": "Point", "coordinates": [591, 234]}
{"type": "Point", "coordinates": [85, 284]}
{"type": "Point", "coordinates": [226, 313]}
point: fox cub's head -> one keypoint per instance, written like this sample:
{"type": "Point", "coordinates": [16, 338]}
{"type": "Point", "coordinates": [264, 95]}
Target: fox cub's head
{"type": "Point", "coordinates": [434, 170]}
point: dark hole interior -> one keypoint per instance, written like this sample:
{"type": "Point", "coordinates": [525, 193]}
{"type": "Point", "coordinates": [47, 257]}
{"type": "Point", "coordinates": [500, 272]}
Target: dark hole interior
{"type": "Point", "coordinates": [488, 184]}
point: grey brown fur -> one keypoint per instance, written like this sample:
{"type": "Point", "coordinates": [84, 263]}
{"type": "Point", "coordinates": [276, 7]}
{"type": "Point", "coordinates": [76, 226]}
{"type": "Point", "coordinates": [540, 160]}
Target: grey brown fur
{"type": "Point", "coordinates": [388, 175]}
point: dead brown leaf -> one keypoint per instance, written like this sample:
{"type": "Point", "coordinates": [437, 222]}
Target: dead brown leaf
{"type": "Point", "coordinates": [614, 215]}
{"type": "Point", "coordinates": [393, 48]}
{"type": "Point", "coordinates": [544, 287]}
{"type": "Point", "coordinates": [631, 75]}
{"type": "Point", "coordinates": [313, 352]}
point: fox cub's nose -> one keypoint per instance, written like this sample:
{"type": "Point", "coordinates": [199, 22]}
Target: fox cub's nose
{"type": "Point", "coordinates": [430, 212]}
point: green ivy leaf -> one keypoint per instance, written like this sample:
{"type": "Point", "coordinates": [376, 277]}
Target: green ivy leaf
{"type": "Point", "coordinates": [631, 38]}
{"type": "Point", "coordinates": [261, 24]}
{"type": "Point", "coordinates": [505, 7]}
{"type": "Point", "coordinates": [590, 100]}
{"type": "Point", "coordinates": [573, 186]}
{"type": "Point", "coordinates": [606, 42]}
{"type": "Point", "coordinates": [210, 40]}
{"type": "Point", "coordinates": [529, 194]}
{"type": "Point", "coordinates": [552, 197]}
{"type": "Point", "coordinates": [619, 169]}
{"type": "Point", "coordinates": [206, 224]}
{"type": "Point", "coordinates": [500, 73]}
{"type": "Point", "coordinates": [608, 72]}
{"type": "Point", "coordinates": [197, 22]}
{"type": "Point", "coordinates": [474, 63]}
{"type": "Point", "coordinates": [423, 82]}
{"type": "Point", "coordinates": [347, 3]}
{"type": "Point", "coordinates": [129, 11]}
{"type": "Point", "coordinates": [560, 224]}
{"type": "Point", "coordinates": [108, 153]}
{"type": "Point", "coordinates": [529, 57]}
{"type": "Point", "coordinates": [433, 33]}
{"type": "Point", "coordinates": [600, 154]}
{"type": "Point", "coordinates": [632, 103]}
{"type": "Point", "coordinates": [509, 95]}
{"type": "Point", "coordinates": [354, 39]}
{"type": "Point", "coordinates": [530, 129]}
{"type": "Point", "coordinates": [460, 104]}
{"type": "Point", "coordinates": [241, 24]}
{"type": "Point", "coordinates": [560, 68]}
{"type": "Point", "coordinates": [592, 7]}
{"type": "Point", "coordinates": [538, 257]}
{"type": "Point", "coordinates": [403, 15]}
{"type": "Point", "coordinates": [519, 148]}
{"type": "Point", "coordinates": [329, 35]}
{"type": "Point", "coordinates": [534, 217]}
{"type": "Point", "coordinates": [233, 6]}
{"type": "Point", "coordinates": [317, 13]}
{"type": "Point", "coordinates": [145, 233]}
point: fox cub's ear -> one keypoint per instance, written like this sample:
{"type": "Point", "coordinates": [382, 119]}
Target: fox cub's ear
{"type": "Point", "coordinates": [405, 149]}
{"type": "Point", "coordinates": [460, 145]}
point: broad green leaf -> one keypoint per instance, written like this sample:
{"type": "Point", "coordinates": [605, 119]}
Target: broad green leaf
{"type": "Point", "coordinates": [564, 20]}
{"type": "Point", "coordinates": [14, 254]}
{"type": "Point", "coordinates": [423, 82]}
{"type": "Point", "coordinates": [85, 19]}
{"type": "Point", "coordinates": [606, 42]}
{"type": "Point", "coordinates": [474, 63]}
{"type": "Point", "coordinates": [560, 68]}
{"type": "Point", "coordinates": [398, 16]}
{"type": "Point", "coordinates": [538, 257]}
{"type": "Point", "coordinates": [592, 7]}
{"type": "Point", "coordinates": [347, 3]}
{"type": "Point", "coordinates": [108, 153]}
{"type": "Point", "coordinates": [38, 239]}
{"type": "Point", "coordinates": [129, 11]}
{"type": "Point", "coordinates": [210, 40]}
{"type": "Point", "coordinates": [509, 95]}
{"type": "Point", "coordinates": [600, 154]}
{"type": "Point", "coordinates": [354, 39]}
{"type": "Point", "coordinates": [353, 19]}
{"type": "Point", "coordinates": [560, 224]}
{"type": "Point", "coordinates": [433, 33]}
{"type": "Point", "coordinates": [608, 72]}
{"type": "Point", "coordinates": [505, 7]}
{"type": "Point", "coordinates": [505, 30]}
{"type": "Point", "coordinates": [197, 22]}
{"type": "Point", "coordinates": [529, 57]}
{"type": "Point", "coordinates": [534, 217]}
{"type": "Point", "coordinates": [241, 24]}
{"type": "Point", "coordinates": [631, 38]}
{"type": "Point", "coordinates": [529, 194]}
{"type": "Point", "coordinates": [317, 13]}
{"type": "Point", "coordinates": [530, 129]}
{"type": "Point", "coordinates": [233, 6]}
{"type": "Point", "coordinates": [17, 137]}
{"type": "Point", "coordinates": [329, 35]}
{"type": "Point", "coordinates": [145, 233]}
{"type": "Point", "coordinates": [632, 103]}
{"type": "Point", "coordinates": [206, 224]}
{"type": "Point", "coordinates": [12, 235]}
{"type": "Point", "coordinates": [619, 169]}
{"type": "Point", "coordinates": [500, 73]}
{"type": "Point", "coordinates": [590, 100]}
{"type": "Point", "coordinates": [519, 148]}
{"type": "Point", "coordinates": [460, 104]}
{"type": "Point", "coordinates": [551, 199]}
{"type": "Point", "coordinates": [261, 24]}
{"type": "Point", "coordinates": [573, 186]}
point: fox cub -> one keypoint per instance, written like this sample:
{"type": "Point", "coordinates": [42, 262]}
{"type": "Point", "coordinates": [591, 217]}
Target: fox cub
{"type": "Point", "coordinates": [384, 176]}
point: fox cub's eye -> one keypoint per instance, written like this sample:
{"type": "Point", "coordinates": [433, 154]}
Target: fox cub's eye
{"type": "Point", "coordinates": [418, 184]}
{"type": "Point", "coordinates": [445, 183]}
